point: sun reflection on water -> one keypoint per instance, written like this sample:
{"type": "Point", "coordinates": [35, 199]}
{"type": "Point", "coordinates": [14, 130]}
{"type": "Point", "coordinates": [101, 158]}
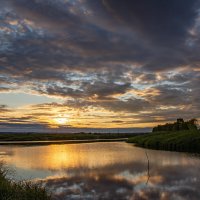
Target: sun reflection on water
{"type": "Point", "coordinates": [106, 170]}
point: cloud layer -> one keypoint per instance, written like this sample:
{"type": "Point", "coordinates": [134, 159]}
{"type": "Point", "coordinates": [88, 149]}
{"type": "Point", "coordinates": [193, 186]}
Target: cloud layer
{"type": "Point", "coordinates": [136, 59]}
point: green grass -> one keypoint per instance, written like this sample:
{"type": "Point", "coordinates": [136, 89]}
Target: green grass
{"type": "Point", "coordinates": [187, 141]}
{"type": "Point", "coordinates": [59, 136]}
{"type": "Point", "coordinates": [10, 190]}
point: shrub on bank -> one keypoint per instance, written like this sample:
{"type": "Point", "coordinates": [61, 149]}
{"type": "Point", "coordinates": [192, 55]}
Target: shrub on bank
{"type": "Point", "coordinates": [10, 190]}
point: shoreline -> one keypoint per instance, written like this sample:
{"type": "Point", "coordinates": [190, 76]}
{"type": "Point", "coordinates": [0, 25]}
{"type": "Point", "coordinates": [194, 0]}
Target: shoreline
{"type": "Point", "coordinates": [20, 190]}
{"type": "Point", "coordinates": [48, 142]}
{"type": "Point", "coordinates": [178, 141]}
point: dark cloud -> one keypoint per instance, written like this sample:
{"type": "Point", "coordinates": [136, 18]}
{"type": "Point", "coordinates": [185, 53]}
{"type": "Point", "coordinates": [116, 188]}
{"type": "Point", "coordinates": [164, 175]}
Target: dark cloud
{"type": "Point", "coordinates": [23, 126]}
{"type": "Point", "coordinates": [17, 123]}
{"type": "Point", "coordinates": [47, 13]}
{"type": "Point", "coordinates": [81, 43]}
{"type": "Point", "coordinates": [4, 108]}
{"type": "Point", "coordinates": [163, 22]}
{"type": "Point", "coordinates": [130, 105]}
{"type": "Point", "coordinates": [26, 119]}
{"type": "Point", "coordinates": [86, 90]}
{"type": "Point", "coordinates": [93, 51]}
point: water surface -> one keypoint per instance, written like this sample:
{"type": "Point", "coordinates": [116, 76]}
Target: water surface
{"type": "Point", "coordinates": [109, 170]}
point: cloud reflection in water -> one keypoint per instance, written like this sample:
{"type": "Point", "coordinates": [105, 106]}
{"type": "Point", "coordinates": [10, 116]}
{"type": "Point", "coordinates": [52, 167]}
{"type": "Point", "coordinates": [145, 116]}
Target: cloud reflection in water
{"type": "Point", "coordinates": [113, 170]}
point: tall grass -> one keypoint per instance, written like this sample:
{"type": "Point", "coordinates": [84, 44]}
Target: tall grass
{"type": "Point", "coordinates": [187, 141]}
{"type": "Point", "coordinates": [23, 190]}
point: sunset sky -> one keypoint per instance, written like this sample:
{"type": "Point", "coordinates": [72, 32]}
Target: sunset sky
{"type": "Point", "coordinates": [98, 63]}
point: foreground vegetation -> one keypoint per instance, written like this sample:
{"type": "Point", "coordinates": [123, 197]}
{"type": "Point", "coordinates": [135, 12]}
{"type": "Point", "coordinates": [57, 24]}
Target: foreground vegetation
{"type": "Point", "coordinates": [10, 190]}
{"type": "Point", "coordinates": [184, 140]}
{"type": "Point", "coordinates": [60, 136]}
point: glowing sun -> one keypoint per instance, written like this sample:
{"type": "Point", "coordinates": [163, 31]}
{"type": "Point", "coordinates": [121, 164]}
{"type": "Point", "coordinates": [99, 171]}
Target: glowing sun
{"type": "Point", "coordinates": [61, 120]}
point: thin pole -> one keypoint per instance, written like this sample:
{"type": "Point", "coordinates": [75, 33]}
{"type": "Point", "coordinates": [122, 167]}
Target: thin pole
{"type": "Point", "coordinates": [148, 174]}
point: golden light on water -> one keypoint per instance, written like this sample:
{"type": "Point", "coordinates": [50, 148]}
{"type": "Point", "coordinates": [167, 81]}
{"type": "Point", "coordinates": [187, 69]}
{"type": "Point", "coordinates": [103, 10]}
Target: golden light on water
{"type": "Point", "coordinates": [87, 155]}
{"type": "Point", "coordinates": [55, 157]}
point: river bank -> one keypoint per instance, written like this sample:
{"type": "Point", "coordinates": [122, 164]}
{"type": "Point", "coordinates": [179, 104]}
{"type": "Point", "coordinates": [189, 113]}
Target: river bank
{"type": "Point", "coordinates": [22, 190]}
{"type": "Point", "coordinates": [61, 136]}
{"type": "Point", "coordinates": [183, 141]}
{"type": "Point", "coordinates": [48, 142]}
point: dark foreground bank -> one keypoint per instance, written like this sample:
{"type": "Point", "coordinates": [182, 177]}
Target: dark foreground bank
{"type": "Point", "coordinates": [186, 141]}
{"type": "Point", "coordinates": [10, 190]}
{"type": "Point", "coordinates": [61, 136]}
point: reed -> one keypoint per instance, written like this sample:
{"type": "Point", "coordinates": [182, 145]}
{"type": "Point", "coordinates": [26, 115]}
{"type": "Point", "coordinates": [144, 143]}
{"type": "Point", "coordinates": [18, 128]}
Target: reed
{"type": "Point", "coordinates": [23, 190]}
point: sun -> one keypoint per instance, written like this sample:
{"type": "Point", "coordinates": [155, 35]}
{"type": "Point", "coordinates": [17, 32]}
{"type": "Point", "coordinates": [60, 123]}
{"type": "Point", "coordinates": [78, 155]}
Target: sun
{"type": "Point", "coordinates": [61, 120]}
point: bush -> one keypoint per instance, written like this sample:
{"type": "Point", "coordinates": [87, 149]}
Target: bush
{"type": "Point", "coordinates": [10, 190]}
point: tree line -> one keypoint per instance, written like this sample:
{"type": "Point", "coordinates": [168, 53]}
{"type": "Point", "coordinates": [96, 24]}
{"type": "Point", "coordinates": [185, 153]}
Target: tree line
{"type": "Point", "coordinates": [180, 124]}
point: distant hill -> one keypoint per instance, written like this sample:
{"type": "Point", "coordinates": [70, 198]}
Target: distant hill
{"type": "Point", "coordinates": [177, 126]}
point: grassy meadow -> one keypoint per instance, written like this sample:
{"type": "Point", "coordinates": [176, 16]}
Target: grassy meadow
{"type": "Point", "coordinates": [184, 140]}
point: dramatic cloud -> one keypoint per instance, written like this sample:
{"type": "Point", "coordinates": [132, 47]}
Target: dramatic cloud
{"type": "Point", "coordinates": [4, 108]}
{"type": "Point", "coordinates": [139, 59]}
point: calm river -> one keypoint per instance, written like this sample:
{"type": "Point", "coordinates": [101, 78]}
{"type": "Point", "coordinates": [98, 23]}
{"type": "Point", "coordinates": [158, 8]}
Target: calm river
{"type": "Point", "coordinates": [106, 170]}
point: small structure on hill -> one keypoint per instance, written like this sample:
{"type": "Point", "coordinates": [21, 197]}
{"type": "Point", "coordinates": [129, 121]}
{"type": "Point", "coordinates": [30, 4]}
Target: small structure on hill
{"type": "Point", "coordinates": [180, 121]}
{"type": "Point", "coordinates": [180, 124]}
{"type": "Point", "coordinates": [177, 126]}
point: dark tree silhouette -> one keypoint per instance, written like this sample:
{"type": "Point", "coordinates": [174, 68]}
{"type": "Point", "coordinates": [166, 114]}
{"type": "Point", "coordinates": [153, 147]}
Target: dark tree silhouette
{"type": "Point", "coordinates": [192, 124]}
